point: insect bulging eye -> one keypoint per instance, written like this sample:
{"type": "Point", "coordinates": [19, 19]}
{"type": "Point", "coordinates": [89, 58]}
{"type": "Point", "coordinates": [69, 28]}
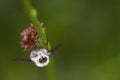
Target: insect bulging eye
{"type": "Point", "coordinates": [43, 59]}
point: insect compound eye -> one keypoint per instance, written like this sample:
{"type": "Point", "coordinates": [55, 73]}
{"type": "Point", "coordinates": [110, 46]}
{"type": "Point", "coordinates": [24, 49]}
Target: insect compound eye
{"type": "Point", "coordinates": [40, 57]}
{"type": "Point", "coordinates": [43, 59]}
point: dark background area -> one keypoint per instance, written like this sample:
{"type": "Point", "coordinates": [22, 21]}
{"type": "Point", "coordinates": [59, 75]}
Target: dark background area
{"type": "Point", "coordinates": [89, 31]}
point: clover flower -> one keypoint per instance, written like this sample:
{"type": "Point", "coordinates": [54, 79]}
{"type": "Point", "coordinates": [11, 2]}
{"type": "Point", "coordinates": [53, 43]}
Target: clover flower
{"type": "Point", "coordinates": [29, 38]}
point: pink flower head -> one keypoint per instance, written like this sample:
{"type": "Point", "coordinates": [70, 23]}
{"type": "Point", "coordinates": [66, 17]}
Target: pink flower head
{"type": "Point", "coordinates": [29, 38]}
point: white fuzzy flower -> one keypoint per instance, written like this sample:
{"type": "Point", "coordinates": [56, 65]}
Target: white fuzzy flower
{"type": "Point", "coordinates": [40, 57]}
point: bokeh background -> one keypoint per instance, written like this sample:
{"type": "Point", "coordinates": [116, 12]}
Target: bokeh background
{"type": "Point", "coordinates": [89, 31]}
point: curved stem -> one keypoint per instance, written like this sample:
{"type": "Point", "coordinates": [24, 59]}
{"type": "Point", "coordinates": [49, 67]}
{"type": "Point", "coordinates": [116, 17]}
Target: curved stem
{"type": "Point", "coordinates": [32, 13]}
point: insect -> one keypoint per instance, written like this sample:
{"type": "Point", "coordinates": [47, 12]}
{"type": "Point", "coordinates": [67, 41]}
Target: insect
{"type": "Point", "coordinates": [39, 56]}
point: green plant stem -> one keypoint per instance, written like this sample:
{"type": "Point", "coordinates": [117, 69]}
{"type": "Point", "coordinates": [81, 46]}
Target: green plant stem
{"type": "Point", "coordinates": [51, 70]}
{"type": "Point", "coordinates": [50, 67]}
{"type": "Point", "coordinates": [32, 13]}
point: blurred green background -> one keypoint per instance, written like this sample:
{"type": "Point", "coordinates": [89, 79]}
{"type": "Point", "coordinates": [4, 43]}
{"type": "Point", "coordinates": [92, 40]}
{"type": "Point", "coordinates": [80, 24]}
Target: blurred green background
{"type": "Point", "coordinates": [89, 31]}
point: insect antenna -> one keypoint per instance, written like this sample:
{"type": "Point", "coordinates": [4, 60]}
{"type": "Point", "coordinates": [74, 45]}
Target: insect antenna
{"type": "Point", "coordinates": [54, 49]}
{"type": "Point", "coordinates": [21, 60]}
